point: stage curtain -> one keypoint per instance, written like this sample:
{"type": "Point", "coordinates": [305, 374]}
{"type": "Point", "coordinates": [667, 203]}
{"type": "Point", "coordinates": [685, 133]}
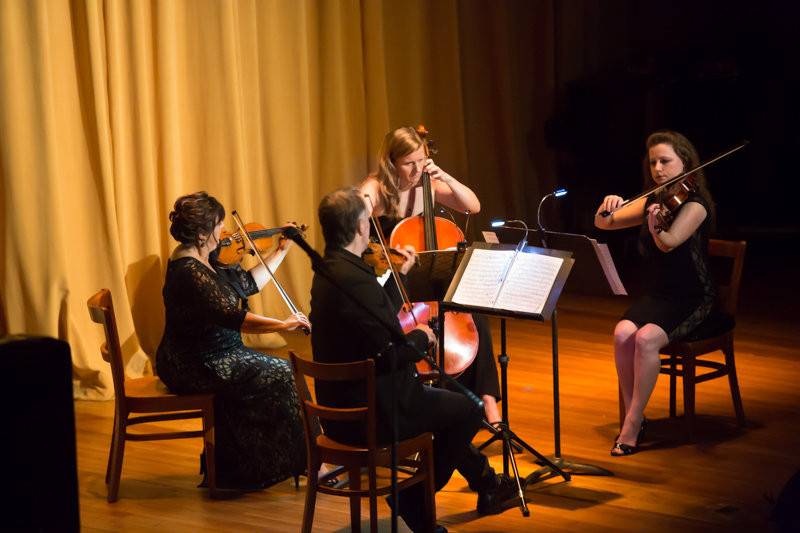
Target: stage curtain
{"type": "Point", "coordinates": [111, 110]}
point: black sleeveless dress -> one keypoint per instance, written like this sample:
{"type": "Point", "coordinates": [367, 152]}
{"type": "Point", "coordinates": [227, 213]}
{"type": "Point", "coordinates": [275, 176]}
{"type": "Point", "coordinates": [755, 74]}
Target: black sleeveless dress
{"type": "Point", "coordinates": [259, 430]}
{"type": "Point", "coordinates": [680, 294]}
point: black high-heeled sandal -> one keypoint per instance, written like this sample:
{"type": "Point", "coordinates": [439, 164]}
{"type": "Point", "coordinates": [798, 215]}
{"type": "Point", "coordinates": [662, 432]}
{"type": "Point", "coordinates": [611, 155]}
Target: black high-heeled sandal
{"type": "Point", "coordinates": [626, 449]}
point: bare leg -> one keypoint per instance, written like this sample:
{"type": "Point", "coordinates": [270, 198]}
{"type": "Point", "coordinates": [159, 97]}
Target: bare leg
{"type": "Point", "coordinates": [624, 350]}
{"type": "Point", "coordinates": [490, 409]}
{"type": "Point", "coordinates": [649, 340]}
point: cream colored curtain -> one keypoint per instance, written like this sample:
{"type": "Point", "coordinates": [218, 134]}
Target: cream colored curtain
{"type": "Point", "coordinates": [110, 110]}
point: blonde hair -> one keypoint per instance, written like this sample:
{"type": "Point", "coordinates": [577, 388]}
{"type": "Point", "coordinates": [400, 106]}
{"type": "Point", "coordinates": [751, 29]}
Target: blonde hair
{"type": "Point", "coordinates": [396, 144]}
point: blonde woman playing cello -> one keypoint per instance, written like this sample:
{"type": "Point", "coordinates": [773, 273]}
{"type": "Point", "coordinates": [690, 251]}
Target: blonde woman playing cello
{"type": "Point", "coordinates": [395, 193]}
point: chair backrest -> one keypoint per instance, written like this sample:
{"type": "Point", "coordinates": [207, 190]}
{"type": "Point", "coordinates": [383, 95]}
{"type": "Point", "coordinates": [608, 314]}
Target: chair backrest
{"type": "Point", "coordinates": [356, 371]}
{"type": "Point", "coordinates": [729, 288]}
{"type": "Point", "coordinates": [101, 309]}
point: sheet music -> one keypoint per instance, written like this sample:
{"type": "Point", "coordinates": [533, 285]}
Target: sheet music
{"type": "Point", "coordinates": [604, 256]}
{"type": "Point", "coordinates": [529, 283]}
{"type": "Point", "coordinates": [481, 278]}
{"type": "Point", "coordinates": [526, 289]}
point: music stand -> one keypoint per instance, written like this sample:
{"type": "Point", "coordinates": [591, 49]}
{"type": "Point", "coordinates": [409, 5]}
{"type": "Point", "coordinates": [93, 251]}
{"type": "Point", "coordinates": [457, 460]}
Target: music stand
{"type": "Point", "coordinates": [596, 274]}
{"type": "Point", "coordinates": [542, 309]}
{"type": "Point", "coordinates": [429, 279]}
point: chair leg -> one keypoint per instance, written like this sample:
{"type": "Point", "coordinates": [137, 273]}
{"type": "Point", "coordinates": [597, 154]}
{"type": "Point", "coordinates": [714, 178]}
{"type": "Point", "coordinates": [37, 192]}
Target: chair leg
{"type": "Point", "coordinates": [672, 388]}
{"type": "Point", "coordinates": [688, 394]}
{"type": "Point", "coordinates": [354, 481]}
{"type": "Point", "coordinates": [311, 502]}
{"type": "Point", "coordinates": [111, 447]}
{"type": "Point", "coordinates": [115, 456]}
{"type": "Point", "coordinates": [734, 382]}
{"type": "Point", "coordinates": [373, 501]}
{"type": "Point", "coordinates": [209, 439]}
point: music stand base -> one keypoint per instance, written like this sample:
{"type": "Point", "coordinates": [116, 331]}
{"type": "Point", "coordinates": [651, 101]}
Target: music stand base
{"type": "Point", "coordinates": [569, 467]}
{"type": "Point", "coordinates": [498, 437]}
{"type": "Point", "coordinates": [510, 441]}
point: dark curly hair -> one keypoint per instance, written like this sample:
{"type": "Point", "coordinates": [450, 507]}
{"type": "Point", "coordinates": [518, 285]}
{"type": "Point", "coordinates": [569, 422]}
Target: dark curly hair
{"type": "Point", "coordinates": [194, 215]}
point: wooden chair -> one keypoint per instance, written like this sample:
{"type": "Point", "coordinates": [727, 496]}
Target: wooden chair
{"type": "Point", "coordinates": [146, 395]}
{"type": "Point", "coordinates": [322, 449]}
{"type": "Point", "coordinates": [684, 356]}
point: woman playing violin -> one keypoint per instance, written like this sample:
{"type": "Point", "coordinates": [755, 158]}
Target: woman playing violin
{"type": "Point", "coordinates": [680, 293]}
{"type": "Point", "coordinates": [395, 192]}
{"type": "Point", "coordinates": [259, 432]}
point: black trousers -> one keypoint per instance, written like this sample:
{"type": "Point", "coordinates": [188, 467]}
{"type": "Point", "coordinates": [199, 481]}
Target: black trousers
{"type": "Point", "coordinates": [454, 420]}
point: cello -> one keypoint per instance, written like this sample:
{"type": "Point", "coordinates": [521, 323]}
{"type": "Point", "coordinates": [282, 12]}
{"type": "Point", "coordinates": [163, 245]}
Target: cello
{"type": "Point", "coordinates": [429, 233]}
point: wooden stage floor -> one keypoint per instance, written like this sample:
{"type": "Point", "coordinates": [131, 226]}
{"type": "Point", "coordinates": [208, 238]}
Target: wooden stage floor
{"type": "Point", "coordinates": [725, 480]}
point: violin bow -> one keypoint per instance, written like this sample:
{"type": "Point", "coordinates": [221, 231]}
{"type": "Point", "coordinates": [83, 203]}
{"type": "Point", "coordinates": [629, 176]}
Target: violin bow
{"type": "Point", "coordinates": [675, 179]}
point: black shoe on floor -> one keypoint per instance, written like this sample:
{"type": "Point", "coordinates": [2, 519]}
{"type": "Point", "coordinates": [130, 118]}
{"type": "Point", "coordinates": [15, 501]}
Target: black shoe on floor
{"type": "Point", "coordinates": [492, 500]}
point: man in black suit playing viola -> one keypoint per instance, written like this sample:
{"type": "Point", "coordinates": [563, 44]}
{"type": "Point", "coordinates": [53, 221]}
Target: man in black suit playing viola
{"type": "Point", "coordinates": [343, 331]}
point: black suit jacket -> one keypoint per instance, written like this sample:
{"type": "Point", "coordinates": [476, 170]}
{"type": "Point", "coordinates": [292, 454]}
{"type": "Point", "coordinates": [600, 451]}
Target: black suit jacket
{"type": "Point", "coordinates": [342, 332]}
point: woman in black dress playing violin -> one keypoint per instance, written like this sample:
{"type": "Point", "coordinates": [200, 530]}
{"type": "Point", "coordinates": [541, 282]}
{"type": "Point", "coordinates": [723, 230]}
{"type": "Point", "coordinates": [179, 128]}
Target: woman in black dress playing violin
{"type": "Point", "coordinates": [395, 192]}
{"type": "Point", "coordinates": [680, 293]}
{"type": "Point", "coordinates": [259, 432]}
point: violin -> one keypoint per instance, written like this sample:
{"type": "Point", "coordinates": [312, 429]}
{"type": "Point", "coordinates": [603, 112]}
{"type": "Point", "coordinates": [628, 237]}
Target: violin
{"type": "Point", "coordinates": [428, 232]}
{"type": "Point", "coordinates": [233, 247]}
{"type": "Point", "coordinates": [375, 258]}
{"type": "Point", "coordinates": [671, 199]}
{"type": "Point", "coordinates": [255, 250]}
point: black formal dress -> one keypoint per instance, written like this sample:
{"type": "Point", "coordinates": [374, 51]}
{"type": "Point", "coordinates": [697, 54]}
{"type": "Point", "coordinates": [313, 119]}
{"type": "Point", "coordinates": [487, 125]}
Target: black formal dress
{"type": "Point", "coordinates": [680, 294]}
{"type": "Point", "coordinates": [259, 430]}
{"type": "Point", "coordinates": [342, 331]}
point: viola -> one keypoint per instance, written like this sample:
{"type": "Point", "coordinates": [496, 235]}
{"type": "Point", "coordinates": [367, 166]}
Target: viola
{"type": "Point", "coordinates": [233, 247]}
{"type": "Point", "coordinates": [428, 232]}
{"type": "Point", "coordinates": [376, 258]}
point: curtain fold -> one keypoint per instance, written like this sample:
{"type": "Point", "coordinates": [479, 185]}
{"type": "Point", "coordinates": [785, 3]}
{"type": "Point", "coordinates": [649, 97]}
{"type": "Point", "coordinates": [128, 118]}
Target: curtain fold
{"type": "Point", "coordinates": [110, 110]}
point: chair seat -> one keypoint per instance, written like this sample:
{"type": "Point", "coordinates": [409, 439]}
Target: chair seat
{"type": "Point", "coordinates": [715, 325]}
{"type": "Point", "coordinates": [337, 452]}
{"type": "Point", "coordinates": [149, 395]}
{"type": "Point", "coordinates": [147, 387]}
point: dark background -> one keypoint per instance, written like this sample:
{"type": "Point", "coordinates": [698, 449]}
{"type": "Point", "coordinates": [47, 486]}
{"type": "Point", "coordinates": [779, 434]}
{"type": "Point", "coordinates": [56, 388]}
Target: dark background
{"type": "Point", "coordinates": [718, 72]}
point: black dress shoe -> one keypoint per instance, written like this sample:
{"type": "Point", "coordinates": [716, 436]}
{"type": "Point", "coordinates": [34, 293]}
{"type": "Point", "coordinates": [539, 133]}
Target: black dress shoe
{"type": "Point", "coordinates": [492, 500]}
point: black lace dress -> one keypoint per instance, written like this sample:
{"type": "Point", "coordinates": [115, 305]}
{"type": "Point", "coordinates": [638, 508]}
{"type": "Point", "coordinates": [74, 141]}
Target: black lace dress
{"type": "Point", "coordinates": [259, 431]}
{"type": "Point", "coordinates": [680, 295]}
